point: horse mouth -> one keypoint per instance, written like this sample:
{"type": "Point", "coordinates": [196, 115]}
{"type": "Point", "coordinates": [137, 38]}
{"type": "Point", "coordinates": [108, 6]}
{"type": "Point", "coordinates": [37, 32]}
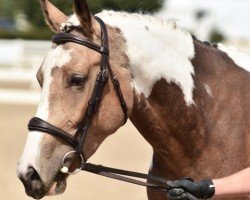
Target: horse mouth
{"type": "Point", "coordinates": [58, 185]}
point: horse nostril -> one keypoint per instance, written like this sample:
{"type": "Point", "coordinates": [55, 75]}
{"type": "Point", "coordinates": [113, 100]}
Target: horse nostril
{"type": "Point", "coordinates": [22, 179]}
{"type": "Point", "coordinates": [32, 175]}
{"type": "Point", "coordinates": [33, 183]}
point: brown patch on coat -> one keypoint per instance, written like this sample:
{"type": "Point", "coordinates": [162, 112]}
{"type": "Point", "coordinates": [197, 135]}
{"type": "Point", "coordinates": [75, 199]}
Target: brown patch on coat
{"type": "Point", "coordinates": [209, 139]}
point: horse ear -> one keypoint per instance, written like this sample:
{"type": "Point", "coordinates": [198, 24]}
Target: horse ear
{"type": "Point", "coordinates": [83, 14]}
{"type": "Point", "coordinates": [53, 16]}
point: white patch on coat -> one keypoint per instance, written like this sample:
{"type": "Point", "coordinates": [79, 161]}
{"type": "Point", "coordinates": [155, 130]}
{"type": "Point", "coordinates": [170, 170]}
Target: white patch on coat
{"type": "Point", "coordinates": [31, 155]}
{"type": "Point", "coordinates": [156, 49]}
{"type": "Point", "coordinates": [151, 165]}
{"type": "Point", "coordinates": [242, 59]}
{"type": "Point", "coordinates": [208, 89]}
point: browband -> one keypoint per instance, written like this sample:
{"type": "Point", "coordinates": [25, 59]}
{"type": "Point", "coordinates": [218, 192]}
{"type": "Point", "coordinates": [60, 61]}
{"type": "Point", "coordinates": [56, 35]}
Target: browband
{"type": "Point", "coordinates": [62, 38]}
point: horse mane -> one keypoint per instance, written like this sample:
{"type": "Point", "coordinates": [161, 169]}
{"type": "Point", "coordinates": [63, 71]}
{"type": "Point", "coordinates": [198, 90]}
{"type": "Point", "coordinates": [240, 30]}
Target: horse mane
{"type": "Point", "coordinates": [169, 24]}
{"type": "Point", "coordinates": [146, 18]}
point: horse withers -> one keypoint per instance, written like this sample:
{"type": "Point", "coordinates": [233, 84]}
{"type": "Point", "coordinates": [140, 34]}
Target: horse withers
{"type": "Point", "coordinates": [189, 100]}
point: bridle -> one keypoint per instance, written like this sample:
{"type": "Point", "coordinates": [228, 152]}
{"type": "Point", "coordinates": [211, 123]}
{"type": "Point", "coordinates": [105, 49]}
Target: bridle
{"type": "Point", "coordinates": [77, 141]}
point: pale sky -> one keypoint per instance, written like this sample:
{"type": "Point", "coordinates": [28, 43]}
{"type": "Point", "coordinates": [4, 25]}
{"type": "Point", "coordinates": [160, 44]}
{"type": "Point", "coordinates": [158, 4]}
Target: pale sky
{"type": "Point", "coordinates": [232, 17]}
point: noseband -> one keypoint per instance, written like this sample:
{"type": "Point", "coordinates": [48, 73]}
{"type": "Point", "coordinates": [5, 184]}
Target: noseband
{"type": "Point", "coordinates": [77, 141]}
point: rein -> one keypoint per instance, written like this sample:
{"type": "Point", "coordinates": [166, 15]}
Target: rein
{"type": "Point", "coordinates": [77, 141]}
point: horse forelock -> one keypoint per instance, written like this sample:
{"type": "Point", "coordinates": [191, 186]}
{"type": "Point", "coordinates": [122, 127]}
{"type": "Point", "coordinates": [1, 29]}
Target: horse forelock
{"type": "Point", "coordinates": [74, 20]}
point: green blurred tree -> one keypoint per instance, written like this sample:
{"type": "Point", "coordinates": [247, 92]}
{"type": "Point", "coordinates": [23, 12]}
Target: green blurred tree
{"type": "Point", "coordinates": [127, 5]}
{"type": "Point", "coordinates": [217, 36]}
{"type": "Point", "coordinates": [39, 30]}
{"type": "Point", "coordinates": [32, 8]}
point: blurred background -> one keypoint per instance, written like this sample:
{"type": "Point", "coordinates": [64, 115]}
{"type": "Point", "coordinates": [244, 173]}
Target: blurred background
{"type": "Point", "coordinates": [24, 41]}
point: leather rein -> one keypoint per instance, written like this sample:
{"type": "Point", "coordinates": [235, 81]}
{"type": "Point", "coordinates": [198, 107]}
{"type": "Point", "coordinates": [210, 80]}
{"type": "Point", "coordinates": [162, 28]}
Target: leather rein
{"type": "Point", "coordinates": [77, 141]}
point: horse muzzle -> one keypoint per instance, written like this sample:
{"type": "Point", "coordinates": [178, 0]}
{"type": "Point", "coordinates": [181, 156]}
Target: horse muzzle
{"type": "Point", "coordinates": [33, 184]}
{"type": "Point", "coordinates": [37, 189]}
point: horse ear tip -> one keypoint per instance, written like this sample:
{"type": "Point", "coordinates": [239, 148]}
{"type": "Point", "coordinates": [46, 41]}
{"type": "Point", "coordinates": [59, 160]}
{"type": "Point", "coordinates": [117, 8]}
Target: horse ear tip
{"type": "Point", "coordinates": [52, 15]}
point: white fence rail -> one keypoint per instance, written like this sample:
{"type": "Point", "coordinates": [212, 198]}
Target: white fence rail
{"type": "Point", "coordinates": [16, 76]}
{"type": "Point", "coordinates": [22, 53]}
{"type": "Point", "coordinates": [19, 97]}
{"type": "Point", "coordinates": [19, 61]}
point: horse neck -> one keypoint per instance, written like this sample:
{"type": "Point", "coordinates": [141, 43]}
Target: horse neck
{"type": "Point", "coordinates": [159, 57]}
{"type": "Point", "coordinates": [165, 120]}
{"type": "Point", "coordinates": [156, 49]}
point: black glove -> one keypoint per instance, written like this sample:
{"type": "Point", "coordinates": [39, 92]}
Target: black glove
{"type": "Point", "coordinates": [202, 190]}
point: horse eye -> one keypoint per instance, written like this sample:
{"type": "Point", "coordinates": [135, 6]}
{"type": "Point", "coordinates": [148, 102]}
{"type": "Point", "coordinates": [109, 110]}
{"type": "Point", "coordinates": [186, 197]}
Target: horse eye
{"type": "Point", "coordinates": [77, 80]}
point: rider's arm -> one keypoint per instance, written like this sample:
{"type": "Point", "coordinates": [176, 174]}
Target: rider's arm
{"type": "Point", "coordinates": [235, 185]}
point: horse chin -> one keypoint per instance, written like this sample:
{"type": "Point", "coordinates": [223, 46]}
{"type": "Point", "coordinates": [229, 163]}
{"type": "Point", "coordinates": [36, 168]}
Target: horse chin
{"type": "Point", "coordinates": [58, 186]}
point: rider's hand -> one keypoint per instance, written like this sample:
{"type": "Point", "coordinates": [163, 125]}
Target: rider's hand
{"type": "Point", "coordinates": [202, 190]}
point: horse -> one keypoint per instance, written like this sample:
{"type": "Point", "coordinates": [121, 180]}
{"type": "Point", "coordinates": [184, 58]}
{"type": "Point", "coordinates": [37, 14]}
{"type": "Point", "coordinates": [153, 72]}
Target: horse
{"type": "Point", "coordinates": [187, 98]}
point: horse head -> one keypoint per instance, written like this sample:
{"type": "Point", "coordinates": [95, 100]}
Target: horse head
{"type": "Point", "coordinates": [67, 77]}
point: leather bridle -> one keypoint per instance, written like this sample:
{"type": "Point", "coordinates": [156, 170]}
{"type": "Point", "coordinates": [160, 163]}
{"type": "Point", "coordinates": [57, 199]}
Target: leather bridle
{"type": "Point", "coordinates": [77, 141]}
